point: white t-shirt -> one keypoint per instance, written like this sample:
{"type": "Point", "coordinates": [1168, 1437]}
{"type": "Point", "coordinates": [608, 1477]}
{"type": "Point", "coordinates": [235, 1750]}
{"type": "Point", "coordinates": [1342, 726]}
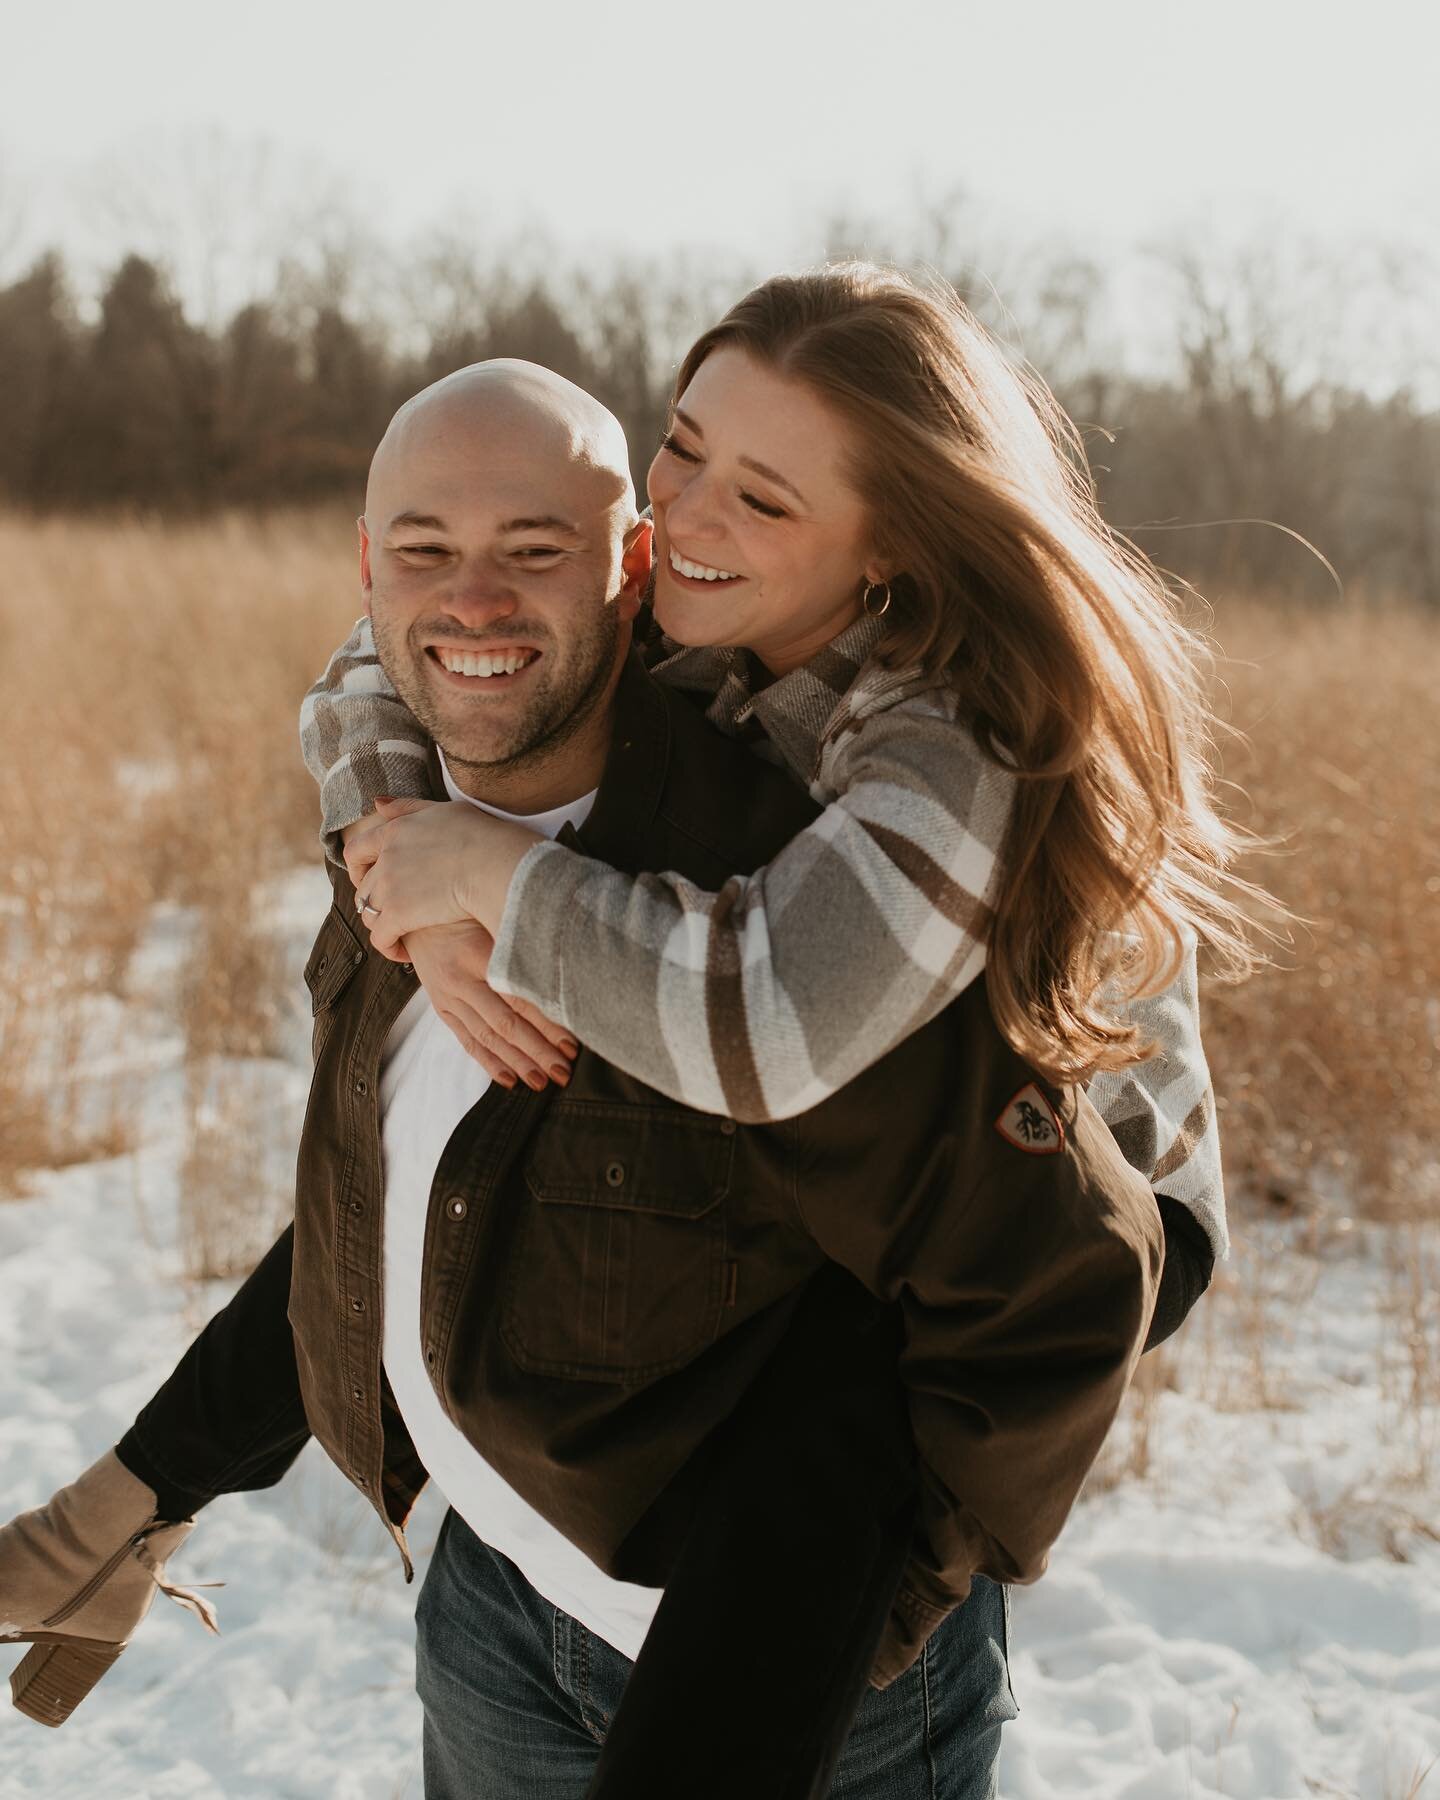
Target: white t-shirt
{"type": "Point", "coordinates": [427, 1085]}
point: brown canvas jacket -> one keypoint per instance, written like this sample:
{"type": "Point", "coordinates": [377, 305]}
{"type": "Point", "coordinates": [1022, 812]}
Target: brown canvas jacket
{"type": "Point", "coordinates": [605, 1271]}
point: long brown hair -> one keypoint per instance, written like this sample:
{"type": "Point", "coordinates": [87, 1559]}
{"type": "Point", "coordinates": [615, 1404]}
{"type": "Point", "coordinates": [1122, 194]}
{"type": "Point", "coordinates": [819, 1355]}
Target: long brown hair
{"type": "Point", "coordinates": [1062, 640]}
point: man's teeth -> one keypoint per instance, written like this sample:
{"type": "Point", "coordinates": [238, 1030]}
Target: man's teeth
{"type": "Point", "coordinates": [698, 571]}
{"type": "Point", "coordinates": [484, 662]}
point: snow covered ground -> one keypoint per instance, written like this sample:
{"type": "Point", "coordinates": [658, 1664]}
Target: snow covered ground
{"type": "Point", "coordinates": [1255, 1615]}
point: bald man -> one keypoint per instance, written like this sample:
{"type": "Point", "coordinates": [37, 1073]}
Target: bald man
{"type": "Point", "coordinates": [556, 1279]}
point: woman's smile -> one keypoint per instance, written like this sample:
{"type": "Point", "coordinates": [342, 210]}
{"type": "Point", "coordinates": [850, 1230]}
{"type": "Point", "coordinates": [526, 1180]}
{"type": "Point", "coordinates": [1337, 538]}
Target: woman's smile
{"type": "Point", "coordinates": [691, 570]}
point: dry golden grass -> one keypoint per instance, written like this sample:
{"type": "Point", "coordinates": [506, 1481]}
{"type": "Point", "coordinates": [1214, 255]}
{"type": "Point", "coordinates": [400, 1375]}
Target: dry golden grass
{"type": "Point", "coordinates": [149, 683]}
{"type": "Point", "coordinates": [1326, 1065]}
{"type": "Point", "coordinates": [150, 680]}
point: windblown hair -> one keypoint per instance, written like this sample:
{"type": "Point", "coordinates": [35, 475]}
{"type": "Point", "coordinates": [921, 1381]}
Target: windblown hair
{"type": "Point", "coordinates": [1061, 638]}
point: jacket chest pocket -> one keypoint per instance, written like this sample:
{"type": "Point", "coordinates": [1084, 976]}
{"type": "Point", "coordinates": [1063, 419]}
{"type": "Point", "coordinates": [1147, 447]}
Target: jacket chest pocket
{"type": "Point", "coordinates": [335, 956]}
{"type": "Point", "coordinates": [617, 1265]}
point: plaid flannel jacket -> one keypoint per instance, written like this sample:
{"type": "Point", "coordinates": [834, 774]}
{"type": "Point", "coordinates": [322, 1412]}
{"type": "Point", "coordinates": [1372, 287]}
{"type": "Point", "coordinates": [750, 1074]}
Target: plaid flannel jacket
{"type": "Point", "coordinates": [763, 998]}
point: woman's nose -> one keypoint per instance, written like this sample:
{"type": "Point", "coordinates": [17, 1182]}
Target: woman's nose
{"type": "Point", "coordinates": [692, 515]}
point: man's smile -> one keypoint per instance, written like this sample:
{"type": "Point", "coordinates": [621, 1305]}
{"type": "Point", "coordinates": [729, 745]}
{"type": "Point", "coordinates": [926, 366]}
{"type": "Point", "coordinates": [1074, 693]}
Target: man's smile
{"type": "Point", "coordinates": [497, 666]}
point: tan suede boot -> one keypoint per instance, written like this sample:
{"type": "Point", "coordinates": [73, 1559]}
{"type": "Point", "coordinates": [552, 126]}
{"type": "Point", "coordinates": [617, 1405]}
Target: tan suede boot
{"type": "Point", "coordinates": [77, 1576]}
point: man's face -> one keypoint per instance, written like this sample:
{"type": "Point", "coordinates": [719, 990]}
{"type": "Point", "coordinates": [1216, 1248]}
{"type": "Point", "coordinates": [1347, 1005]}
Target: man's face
{"type": "Point", "coordinates": [497, 579]}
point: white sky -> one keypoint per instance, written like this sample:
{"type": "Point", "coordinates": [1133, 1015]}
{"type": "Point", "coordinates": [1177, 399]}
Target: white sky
{"type": "Point", "coordinates": [739, 128]}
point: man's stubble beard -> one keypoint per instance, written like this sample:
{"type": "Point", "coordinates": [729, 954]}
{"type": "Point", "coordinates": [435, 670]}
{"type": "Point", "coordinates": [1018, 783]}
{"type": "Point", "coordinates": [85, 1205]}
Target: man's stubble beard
{"type": "Point", "coordinates": [555, 713]}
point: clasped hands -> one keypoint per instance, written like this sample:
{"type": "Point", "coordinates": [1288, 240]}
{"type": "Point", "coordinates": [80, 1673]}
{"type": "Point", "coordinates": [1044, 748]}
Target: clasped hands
{"type": "Point", "coordinates": [436, 875]}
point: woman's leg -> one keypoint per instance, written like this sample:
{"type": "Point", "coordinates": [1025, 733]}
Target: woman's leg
{"type": "Point", "coordinates": [230, 1417]}
{"type": "Point", "coordinates": [759, 1654]}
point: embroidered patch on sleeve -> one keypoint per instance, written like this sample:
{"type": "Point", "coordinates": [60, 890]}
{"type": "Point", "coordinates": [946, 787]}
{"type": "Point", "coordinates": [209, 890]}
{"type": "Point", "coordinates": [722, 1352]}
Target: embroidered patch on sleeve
{"type": "Point", "coordinates": [1032, 1124]}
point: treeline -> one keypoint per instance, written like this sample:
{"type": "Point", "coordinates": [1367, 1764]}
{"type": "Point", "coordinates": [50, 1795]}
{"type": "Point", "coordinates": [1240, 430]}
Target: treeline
{"type": "Point", "coordinates": [1233, 471]}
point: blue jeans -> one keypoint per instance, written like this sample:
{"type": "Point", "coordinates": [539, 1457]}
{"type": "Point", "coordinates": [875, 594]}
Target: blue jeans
{"type": "Point", "coordinates": [518, 1695]}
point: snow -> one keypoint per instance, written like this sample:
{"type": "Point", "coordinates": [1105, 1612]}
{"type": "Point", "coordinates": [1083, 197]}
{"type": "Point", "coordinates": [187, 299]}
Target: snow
{"type": "Point", "coordinates": [1253, 1614]}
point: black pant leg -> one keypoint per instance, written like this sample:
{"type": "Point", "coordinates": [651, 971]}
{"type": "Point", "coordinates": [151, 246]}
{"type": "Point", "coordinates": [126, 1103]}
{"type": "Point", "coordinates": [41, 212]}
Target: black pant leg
{"type": "Point", "coordinates": [752, 1671]}
{"type": "Point", "coordinates": [230, 1417]}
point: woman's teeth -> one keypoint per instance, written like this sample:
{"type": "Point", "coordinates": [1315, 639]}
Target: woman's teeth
{"type": "Point", "coordinates": [482, 662]}
{"type": "Point", "coordinates": [699, 571]}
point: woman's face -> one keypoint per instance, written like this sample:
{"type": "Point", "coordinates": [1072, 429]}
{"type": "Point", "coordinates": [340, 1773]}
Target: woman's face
{"type": "Point", "coordinates": [760, 540]}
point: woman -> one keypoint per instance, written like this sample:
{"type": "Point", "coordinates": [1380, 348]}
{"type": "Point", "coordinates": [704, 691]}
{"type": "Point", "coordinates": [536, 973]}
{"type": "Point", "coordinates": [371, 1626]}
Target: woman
{"type": "Point", "coordinates": [872, 546]}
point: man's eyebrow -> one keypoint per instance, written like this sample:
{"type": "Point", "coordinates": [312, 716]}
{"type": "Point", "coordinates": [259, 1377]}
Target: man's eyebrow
{"type": "Point", "coordinates": [748, 462]}
{"type": "Point", "coordinates": [542, 522]}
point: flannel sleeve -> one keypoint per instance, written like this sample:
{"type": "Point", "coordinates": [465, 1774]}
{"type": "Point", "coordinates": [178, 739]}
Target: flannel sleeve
{"type": "Point", "coordinates": [1162, 1112]}
{"type": "Point", "coordinates": [360, 740]}
{"type": "Point", "coordinates": [763, 998]}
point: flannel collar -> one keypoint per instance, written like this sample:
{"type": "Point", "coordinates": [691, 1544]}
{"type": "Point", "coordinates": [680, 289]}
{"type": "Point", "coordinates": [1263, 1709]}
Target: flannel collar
{"type": "Point", "coordinates": [798, 711]}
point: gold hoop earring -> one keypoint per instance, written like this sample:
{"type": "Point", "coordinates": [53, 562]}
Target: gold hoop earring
{"type": "Point", "coordinates": [876, 612]}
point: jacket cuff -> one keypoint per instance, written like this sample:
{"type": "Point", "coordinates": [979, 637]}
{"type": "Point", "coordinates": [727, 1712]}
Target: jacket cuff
{"type": "Point", "coordinates": [528, 959]}
{"type": "Point", "coordinates": [907, 1631]}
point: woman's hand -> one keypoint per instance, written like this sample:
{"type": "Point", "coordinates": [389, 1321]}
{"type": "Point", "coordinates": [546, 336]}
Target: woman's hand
{"type": "Point", "coordinates": [509, 1039]}
{"type": "Point", "coordinates": [426, 862]}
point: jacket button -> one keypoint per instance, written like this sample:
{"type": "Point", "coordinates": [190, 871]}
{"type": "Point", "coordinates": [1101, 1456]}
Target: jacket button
{"type": "Point", "coordinates": [359, 1393]}
{"type": "Point", "coordinates": [358, 958]}
{"type": "Point", "coordinates": [456, 1206]}
{"type": "Point", "coordinates": [357, 1206]}
{"type": "Point", "coordinates": [320, 966]}
{"type": "Point", "coordinates": [727, 1128]}
{"type": "Point", "coordinates": [356, 1303]}
{"type": "Point", "coordinates": [615, 1174]}
{"type": "Point", "coordinates": [362, 1086]}
{"type": "Point", "coordinates": [430, 1358]}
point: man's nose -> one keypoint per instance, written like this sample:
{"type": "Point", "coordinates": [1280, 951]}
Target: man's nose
{"type": "Point", "coordinates": [480, 595]}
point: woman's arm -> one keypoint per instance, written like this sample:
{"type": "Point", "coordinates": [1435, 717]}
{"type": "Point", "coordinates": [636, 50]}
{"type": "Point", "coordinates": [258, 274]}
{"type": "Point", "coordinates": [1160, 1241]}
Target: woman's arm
{"type": "Point", "coordinates": [359, 739]}
{"type": "Point", "coordinates": [761, 999]}
{"type": "Point", "coordinates": [728, 1001]}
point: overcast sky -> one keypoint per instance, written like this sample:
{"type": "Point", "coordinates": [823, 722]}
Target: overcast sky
{"type": "Point", "coordinates": [736, 129]}
{"type": "Point", "coordinates": [740, 123]}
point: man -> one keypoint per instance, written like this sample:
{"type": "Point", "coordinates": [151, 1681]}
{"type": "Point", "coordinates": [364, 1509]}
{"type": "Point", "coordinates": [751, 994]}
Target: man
{"type": "Point", "coordinates": [557, 1305]}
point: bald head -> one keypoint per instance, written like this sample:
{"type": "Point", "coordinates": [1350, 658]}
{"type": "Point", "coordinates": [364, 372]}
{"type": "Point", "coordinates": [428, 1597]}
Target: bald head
{"type": "Point", "coordinates": [531, 414]}
{"type": "Point", "coordinates": [501, 563]}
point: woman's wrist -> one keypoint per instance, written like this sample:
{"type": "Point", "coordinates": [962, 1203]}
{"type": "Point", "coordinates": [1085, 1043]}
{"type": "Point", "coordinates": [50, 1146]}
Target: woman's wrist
{"type": "Point", "coordinates": [485, 885]}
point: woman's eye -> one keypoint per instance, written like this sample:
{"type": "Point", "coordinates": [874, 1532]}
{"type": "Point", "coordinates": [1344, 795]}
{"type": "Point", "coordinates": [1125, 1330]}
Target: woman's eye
{"type": "Point", "coordinates": [770, 512]}
{"type": "Point", "coordinates": [668, 442]}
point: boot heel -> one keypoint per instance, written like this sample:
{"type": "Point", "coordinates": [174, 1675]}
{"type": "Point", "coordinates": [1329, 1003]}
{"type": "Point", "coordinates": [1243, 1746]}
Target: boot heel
{"type": "Point", "coordinates": [51, 1680]}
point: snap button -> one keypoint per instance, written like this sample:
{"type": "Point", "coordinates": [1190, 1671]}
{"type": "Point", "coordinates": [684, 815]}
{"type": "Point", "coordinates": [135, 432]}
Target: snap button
{"type": "Point", "coordinates": [356, 1303]}
{"type": "Point", "coordinates": [358, 958]}
{"type": "Point", "coordinates": [320, 966]}
{"type": "Point", "coordinates": [615, 1174]}
{"type": "Point", "coordinates": [359, 1393]}
{"type": "Point", "coordinates": [457, 1207]}
{"type": "Point", "coordinates": [430, 1358]}
{"type": "Point", "coordinates": [362, 1086]}
{"type": "Point", "coordinates": [357, 1206]}
{"type": "Point", "coordinates": [727, 1128]}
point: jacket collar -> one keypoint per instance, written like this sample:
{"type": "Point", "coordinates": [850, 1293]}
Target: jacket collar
{"type": "Point", "coordinates": [636, 767]}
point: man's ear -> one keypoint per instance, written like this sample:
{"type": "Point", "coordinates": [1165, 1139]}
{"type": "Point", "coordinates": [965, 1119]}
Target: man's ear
{"type": "Point", "coordinates": [364, 564]}
{"type": "Point", "coordinates": [635, 566]}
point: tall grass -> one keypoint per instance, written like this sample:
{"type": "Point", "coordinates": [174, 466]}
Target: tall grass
{"type": "Point", "coordinates": [150, 680]}
{"type": "Point", "coordinates": [149, 683]}
{"type": "Point", "coordinates": [1328, 1064]}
